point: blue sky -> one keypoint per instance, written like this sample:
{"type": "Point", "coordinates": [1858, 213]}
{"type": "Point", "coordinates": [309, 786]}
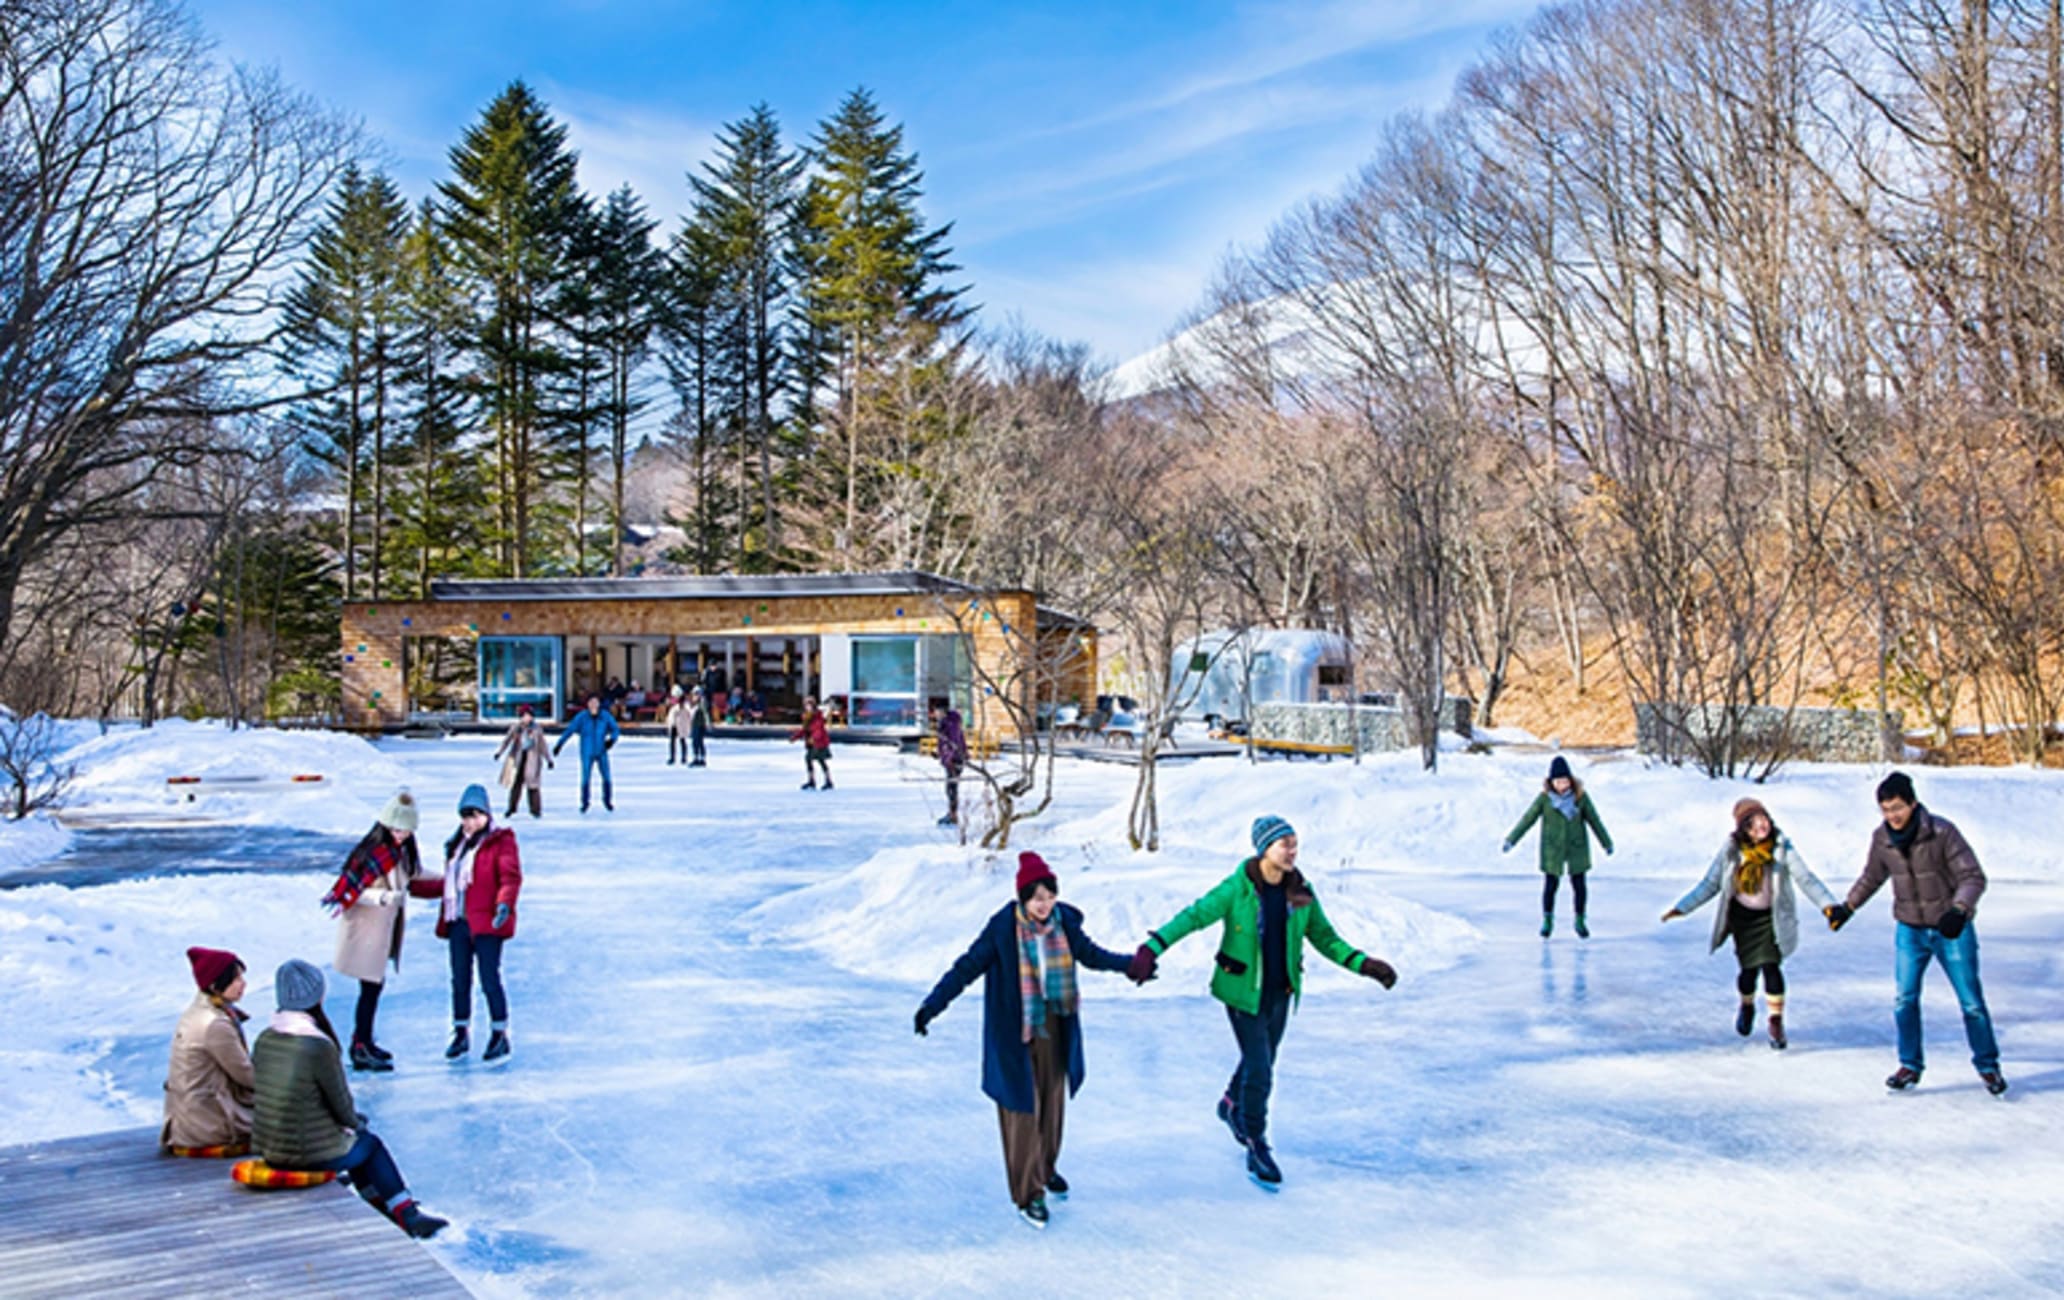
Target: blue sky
{"type": "Point", "coordinates": [1097, 159]}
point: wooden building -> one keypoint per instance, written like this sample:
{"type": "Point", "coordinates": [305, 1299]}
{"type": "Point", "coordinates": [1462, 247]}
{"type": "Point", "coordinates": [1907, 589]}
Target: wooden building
{"type": "Point", "coordinates": [879, 647]}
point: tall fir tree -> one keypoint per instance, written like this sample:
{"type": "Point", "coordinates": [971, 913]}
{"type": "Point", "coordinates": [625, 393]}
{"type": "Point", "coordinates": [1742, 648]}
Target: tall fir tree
{"type": "Point", "coordinates": [690, 345]}
{"type": "Point", "coordinates": [875, 284]}
{"type": "Point", "coordinates": [747, 197]}
{"type": "Point", "coordinates": [625, 276]}
{"type": "Point", "coordinates": [345, 323]}
{"type": "Point", "coordinates": [512, 210]}
{"type": "Point", "coordinates": [436, 527]}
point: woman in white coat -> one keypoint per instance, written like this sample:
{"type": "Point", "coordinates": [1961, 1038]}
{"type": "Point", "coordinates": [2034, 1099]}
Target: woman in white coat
{"type": "Point", "coordinates": [368, 895]}
{"type": "Point", "coordinates": [1755, 869]}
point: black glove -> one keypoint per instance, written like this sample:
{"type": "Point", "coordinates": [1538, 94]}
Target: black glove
{"type": "Point", "coordinates": [1379, 970]}
{"type": "Point", "coordinates": [1838, 916]}
{"type": "Point", "coordinates": [1953, 922]}
{"type": "Point", "coordinates": [924, 1017]}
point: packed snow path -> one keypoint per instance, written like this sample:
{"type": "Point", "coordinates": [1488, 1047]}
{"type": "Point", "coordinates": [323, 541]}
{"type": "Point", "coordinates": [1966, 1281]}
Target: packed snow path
{"type": "Point", "coordinates": [696, 1108]}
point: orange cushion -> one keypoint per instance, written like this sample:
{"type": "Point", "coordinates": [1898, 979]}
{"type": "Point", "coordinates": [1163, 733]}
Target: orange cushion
{"type": "Point", "coordinates": [256, 1173]}
{"type": "Point", "coordinates": [220, 1152]}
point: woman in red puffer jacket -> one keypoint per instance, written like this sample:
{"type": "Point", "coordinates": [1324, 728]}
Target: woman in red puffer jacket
{"type": "Point", "coordinates": [476, 914]}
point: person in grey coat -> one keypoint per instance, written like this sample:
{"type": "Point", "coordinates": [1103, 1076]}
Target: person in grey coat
{"type": "Point", "coordinates": [1755, 869]}
{"type": "Point", "coordinates": [1936, 885]}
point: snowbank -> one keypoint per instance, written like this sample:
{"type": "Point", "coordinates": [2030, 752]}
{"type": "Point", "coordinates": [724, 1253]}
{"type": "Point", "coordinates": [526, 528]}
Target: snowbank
{"type": "Point", "coordinates": [38, 838]}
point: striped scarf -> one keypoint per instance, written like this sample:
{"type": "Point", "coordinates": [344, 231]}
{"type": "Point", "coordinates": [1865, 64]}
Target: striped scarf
{"type": "Point", "coordinates": [1046, 972]}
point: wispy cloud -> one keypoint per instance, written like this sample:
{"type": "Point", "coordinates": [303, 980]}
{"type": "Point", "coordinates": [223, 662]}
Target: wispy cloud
{"type": "Point", "coordinates": [648, 147]}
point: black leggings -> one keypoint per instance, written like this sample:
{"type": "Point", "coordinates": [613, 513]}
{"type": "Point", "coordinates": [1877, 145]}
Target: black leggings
{"type": "Point", "coordinates": [368, 1007]}
{"type": "Point", "coordinates": [1580, 893]}
{"type": "Point", "coordinates": [1773, 980]}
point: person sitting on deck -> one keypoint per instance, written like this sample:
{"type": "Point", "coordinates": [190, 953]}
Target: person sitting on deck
{"type": "Point", "coordinates": [755, 707]}
{"type": "Point", "coordinates": [208, 1087]}
{"type": "Point", "coordinates": [305, 1117]}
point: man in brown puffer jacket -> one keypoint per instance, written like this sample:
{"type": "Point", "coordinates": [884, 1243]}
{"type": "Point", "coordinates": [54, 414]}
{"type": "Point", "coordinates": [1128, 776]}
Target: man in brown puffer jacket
{"type": "Point", "coordinates": [1936, 884]}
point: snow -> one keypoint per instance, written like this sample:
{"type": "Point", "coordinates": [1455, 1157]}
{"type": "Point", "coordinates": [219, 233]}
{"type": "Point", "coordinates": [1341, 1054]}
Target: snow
{"type": "Point", "coordinates": [716, 1087]}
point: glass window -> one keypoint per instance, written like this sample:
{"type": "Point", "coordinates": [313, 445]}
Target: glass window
{"type": "Point", "coordinates": [885, 682]}
{"type": "Point", "coordinates": [518, 670]}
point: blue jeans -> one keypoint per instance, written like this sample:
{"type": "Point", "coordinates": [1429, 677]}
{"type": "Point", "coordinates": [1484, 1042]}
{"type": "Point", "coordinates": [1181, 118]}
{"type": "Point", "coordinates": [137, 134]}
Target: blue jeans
{"type": "Point", "coordinates": [587, 768]}
{"type": "Point", "coordinates": [1917, 946]}
{"type": "Point", "coordinates": [1260, 1037]}
{"type": "Point", "coordinates": [370, 1171]}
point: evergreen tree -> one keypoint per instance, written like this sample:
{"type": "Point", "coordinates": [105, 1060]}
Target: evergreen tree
{"type": "Point", "coordinates": [691, 340]}
{"type": "Point", "coordinates": [875, 281]}
{"type": "Point", "coordinates": [625, 276]}
{"type": "Point", "coordinates": [512, 210]}
{"type": "Point", "coordinates": [747, 198]}
{"type": "Point", "coordinates": [435, 528]}
{"type": "Point", "coordinates": [344, 320]}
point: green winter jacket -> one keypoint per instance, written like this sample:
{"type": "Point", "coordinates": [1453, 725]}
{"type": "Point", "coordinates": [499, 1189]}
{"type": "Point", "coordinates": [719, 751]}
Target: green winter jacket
{"type": "Point", "coordinates": [1237, 902]}
{"type": "Point", "coordinates": [304, 1114]}
{"type": "Point", "coordinates": [1564, 844]}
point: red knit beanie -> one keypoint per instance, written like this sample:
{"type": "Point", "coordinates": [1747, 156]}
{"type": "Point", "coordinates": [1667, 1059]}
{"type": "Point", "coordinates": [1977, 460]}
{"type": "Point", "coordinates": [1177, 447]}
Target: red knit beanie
{"type": "Point", "coordinates": [1031, 870]}
{"type": "Point", "coordinates": [212, 967]}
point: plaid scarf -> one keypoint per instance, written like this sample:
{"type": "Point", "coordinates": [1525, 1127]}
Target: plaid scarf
{"type": "Point", "coordinates": [1046, 972]}
{"type": "Point", "coordinates": [375, 856]}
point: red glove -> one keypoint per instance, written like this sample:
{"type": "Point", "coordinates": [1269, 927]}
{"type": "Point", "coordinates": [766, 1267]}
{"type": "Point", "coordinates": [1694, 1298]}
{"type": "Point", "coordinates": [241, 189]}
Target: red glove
{"type": "Point", "coordinates": [1141, 968]}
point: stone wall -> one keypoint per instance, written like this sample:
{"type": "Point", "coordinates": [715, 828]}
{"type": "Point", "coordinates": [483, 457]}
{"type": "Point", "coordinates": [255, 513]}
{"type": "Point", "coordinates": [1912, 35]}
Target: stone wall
{"type": "Point", "coordinates": [1382, 727]}
{"type": "Point", "coordinates": [1802, 735]}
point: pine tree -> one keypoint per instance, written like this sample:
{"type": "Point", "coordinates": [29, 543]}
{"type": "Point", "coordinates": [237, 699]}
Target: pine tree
{"type": "Point", "coordinates": [434, 532]}
{"type": "Point", "coordinates": [747, 198]}
{"type": "Point", "coordinates": [875, 281]}
{"type": "Point", "coordinates": [690, 337]}
{"type": "Point", "coordinates": [625, 284]}
{"type": "Point", "coordinates": [344, 320]}
{"type": "Point", "coordinates": [511, 213]}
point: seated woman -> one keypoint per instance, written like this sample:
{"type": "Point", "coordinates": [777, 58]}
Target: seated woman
{"type": "Point", "coordinates": [305, 1117]}
{"type": "Point", "coordinates": [208, 1087]}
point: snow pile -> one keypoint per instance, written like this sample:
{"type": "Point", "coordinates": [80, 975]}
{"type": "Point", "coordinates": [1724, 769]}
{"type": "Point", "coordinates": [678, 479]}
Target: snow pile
{"type": "Point", "coordinates": [126, 771]}
{"type": "Point", "coordinates": [36, 838]}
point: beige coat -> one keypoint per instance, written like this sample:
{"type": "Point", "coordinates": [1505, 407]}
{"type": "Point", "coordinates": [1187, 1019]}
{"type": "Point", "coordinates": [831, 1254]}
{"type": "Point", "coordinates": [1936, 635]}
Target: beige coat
{"type": "Point", "coordinates": [525, 753]}
{"type": "Point", "coordinates": [209, 1087]}
{"type": "Point", "coordinates": [369, 933]}
{"type": "Point", "coordinates": [678, 717]}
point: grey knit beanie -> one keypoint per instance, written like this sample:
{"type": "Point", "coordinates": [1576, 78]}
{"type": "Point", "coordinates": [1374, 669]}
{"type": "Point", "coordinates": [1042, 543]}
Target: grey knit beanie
{"type": "Point", "coordinates": [298, 986]}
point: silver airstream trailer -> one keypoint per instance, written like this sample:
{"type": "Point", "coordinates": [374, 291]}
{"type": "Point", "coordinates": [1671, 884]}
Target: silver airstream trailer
{"type": "Point", "coordinates": [1221, 674]}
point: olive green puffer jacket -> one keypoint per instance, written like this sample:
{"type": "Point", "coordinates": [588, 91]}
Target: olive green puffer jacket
{"type": "Point", "coordinates": [304, 1114]}
{"type": "Point", "coordinates": [1565, 845]}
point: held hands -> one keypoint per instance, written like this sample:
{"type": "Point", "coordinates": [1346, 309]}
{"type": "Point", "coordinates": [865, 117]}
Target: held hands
{"type": "Point", "coordinates": [1837, 916]}
{"type": "Point", "coordinates": [1379, 970]}
{"type": "Point", "coordinates": [502, 913]}
{"type": "Point", "coordinates": [1141, 968]}
{"type": "Point", "coordinates": [924, 1017]}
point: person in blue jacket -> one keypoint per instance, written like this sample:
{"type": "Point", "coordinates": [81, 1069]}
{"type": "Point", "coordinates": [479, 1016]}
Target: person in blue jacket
{"type": "Point", "coordinates": [597, 731]}
{"type": "Point", "coordinates": [1031, 1036]}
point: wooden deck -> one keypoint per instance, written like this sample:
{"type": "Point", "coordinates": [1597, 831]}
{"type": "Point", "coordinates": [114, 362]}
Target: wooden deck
{"type": "Point", "coordinates": [106, 1215]}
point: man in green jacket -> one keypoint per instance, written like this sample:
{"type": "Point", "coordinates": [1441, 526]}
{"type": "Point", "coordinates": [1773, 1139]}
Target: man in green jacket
{"type": "Point", "coordinates": [1268, 910]}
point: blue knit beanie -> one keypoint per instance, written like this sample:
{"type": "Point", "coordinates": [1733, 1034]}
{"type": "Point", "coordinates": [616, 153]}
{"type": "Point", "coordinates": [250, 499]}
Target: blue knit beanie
{"type": "Point", "coordinates": [476, 799]}
{"type": "Point", "coordinates": [1267, 830]}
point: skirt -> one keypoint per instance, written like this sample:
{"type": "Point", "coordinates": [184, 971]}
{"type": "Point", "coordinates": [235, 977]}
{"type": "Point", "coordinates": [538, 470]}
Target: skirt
{"type": "Point", "coordinates": [1754, 934]}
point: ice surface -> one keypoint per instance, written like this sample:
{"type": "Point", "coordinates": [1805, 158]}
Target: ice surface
{"type": "Point", "coordinates": [716, 1089]}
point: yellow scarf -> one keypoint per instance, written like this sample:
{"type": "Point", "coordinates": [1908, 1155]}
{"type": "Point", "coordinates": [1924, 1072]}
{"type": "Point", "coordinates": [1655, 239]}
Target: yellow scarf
{"type": "Point", "coordinates": [1755, 860]}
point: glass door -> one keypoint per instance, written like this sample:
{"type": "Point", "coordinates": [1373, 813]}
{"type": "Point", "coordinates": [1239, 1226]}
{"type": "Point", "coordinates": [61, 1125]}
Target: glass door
{"type": "Point", "coordinates": [519, 670]}
{"type": "Point", "coordinates": [885, 683]}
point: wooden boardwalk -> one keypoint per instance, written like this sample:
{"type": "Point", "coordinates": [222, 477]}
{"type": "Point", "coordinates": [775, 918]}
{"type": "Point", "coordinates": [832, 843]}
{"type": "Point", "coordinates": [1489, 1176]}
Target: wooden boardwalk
{"type": "Point", "coordinates": [106, 1215]}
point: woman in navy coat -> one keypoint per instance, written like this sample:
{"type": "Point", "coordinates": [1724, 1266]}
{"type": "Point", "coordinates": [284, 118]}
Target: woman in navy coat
{"type": "Point", "coordinates": [1031, 1035]}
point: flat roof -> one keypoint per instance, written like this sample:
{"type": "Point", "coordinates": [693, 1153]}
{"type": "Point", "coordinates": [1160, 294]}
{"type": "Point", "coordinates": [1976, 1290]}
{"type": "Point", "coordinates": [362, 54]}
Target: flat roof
{"type": "Point", "coordinates": [910, 582]}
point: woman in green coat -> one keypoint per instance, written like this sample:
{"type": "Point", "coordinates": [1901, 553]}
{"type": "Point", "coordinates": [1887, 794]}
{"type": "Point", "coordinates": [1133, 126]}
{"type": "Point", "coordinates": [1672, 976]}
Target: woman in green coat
{"type": "Point", "coordinates": [1567, 819]}
{"type": "Point", "coordinates": [1269, 912]}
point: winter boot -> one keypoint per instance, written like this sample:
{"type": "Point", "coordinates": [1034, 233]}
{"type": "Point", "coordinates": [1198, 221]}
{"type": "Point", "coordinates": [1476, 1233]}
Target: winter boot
{"type": "Point", "coordinates": [1229, 1115]}
{"type": "Point", "coordinates": [1547, 924]}
{"type": "Point", "coordinates": [947, 820]}
{"type": "Point", "coordinates": [379, 1053]}
{"type": "Point", "coordinates": [1745, 1017]}
{"type": "Point", "coordinates": [1583, 929]}
{"type": "Point", "coordinates": [1261, 1165]}
{"type": "Point", "coordinates": [810, 784]}
{"type": "Point", "coordinates": [1034, 1214]}
{"type": "Point", "coordinates": [497, 1045]}
{"type": "Point", "coordinates": [416, 1223]}
{"type": "Point", "coordinates": [461, 1043]}
{"type": "Point", "coordinates": [1057, 1186]}
{"type": "Point", "coordinates": [363, 1059]}
{"type": "Point", "coordinates": [1903, 1079]}
{"type": "Point", "coordinates": [1995, 1082]}
{"type": "Point", "coordinates": [1777, 1034]}
{"type": "Point", "coordinates": [827, 783]}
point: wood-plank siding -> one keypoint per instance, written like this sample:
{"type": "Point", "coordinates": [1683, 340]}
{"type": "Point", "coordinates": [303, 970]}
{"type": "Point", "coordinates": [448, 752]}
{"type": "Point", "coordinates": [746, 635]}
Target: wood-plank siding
{"type": "Point", "coordinates": [106, 1215]}
{"type": "Point", "coordinates": [998, 626]}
